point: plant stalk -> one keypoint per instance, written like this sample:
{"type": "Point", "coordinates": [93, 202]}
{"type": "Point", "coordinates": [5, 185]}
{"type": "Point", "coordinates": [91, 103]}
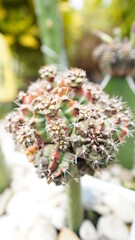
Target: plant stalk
{"type": "Point", "coordinates": [52, 36]}
{"type": "Point", "coordinates": [75, 210]}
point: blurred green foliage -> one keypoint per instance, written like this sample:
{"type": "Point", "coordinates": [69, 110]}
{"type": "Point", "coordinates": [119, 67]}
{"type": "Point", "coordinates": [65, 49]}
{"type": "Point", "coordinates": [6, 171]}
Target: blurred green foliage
{"type": "Point", "coordinates": [5, 177]}
{"type": "Point", "coordinates": [18, 23]}
{"type": "Point", "coordinates": [8, 81]}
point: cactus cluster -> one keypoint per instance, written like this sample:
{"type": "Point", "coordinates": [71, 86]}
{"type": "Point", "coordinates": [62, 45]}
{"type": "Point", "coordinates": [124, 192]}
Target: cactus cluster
{"type": "Point", "coordinates": [117, 57]}
{"type": "Point", "coordinates": [68, 126]}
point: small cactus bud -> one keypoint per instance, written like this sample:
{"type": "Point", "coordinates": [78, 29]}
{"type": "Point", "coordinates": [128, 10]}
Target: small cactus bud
{"type": "Point", "coordinates": [48, 73]}
{"type": "Point", "coordinates": [46, 105]}
{"type": "Point", "coordinates": [76, 77]}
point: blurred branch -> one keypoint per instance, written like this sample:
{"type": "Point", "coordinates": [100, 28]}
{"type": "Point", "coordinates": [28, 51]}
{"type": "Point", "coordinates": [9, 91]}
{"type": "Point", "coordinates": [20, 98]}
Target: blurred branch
{"type": "Point", "coordinates": [51, 32]}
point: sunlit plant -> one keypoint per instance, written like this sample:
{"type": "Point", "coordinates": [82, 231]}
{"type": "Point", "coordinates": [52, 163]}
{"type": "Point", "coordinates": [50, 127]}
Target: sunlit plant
{"type": "Point", "coordinates": [116, 57]}
{"type": "Point", "coordinates": [68, 127]}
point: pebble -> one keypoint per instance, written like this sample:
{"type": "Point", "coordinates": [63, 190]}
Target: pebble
{"type": "Point", "coordinates": [8, 222]}
{"type": "Point", "coordinates": [102, 209]}
{"type": "Point", "coordinates": [59, 218]}
{"type": "Point", "coordinates": [42, 230]}
{"type": "Point", "coordinates": [132, 231]}
{"type": "Point", "coordinates": [121, 207]}
{"type": "Point", "coordinates": [4, 199]}
{"type": "Point", "coordinates": [25, 210]}
{"type": "Point", "coordinates": [112, 227]}
{"type": "Point", "coordinates": [103, 237]}
{"type": "Point", "coordinates": [87, 231]}
{"type": "Point", "coordinates": [20, 202]}
{"type": "Point", "coordinates": [90, 197]}
{"type": "Point", "coordinates": [67, 234]}
{"type": "Point", "coordinates": [11, 235]}
{"type": "Point", "coordinates": [9, 228]}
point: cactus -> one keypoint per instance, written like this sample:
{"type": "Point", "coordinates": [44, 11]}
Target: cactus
{"type": "Point", "coordinates": [68, 129]}
{"type": "Point", "coordinates": [52, 37]}
{"type": "Point", "coordinates": [117, 61]}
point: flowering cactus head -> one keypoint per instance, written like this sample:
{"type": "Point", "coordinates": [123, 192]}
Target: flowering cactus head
{"type": "Point", "coordinates": [69, 129]}
{"type": "Point", "coordinates": [117, 57]}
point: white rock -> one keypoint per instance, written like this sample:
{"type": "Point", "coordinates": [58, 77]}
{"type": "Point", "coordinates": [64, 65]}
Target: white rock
{"type": "Point", "coordinates": [11, 235]}
{"type": "Point", "coordinates": [42, 230]}
{"type": "Point", "coordinates": [9, 228]}
{"type": "Point", "coordinates": [4, 199]}
{"type": "Point", "coordinates": [121, 206]}
{"type": "Point", "coordinates": [26, 220]}
{"type": "Point", "coordinates": [8, 222]}
{"type": "Point", "coordinates": [112, 227]}
{"type": "Point", "coordinates": [87, 231]}
{"type": "Point", "coordinates": [56, 215]}
{"type": "Point", "coordinates": [102, 209]}
{"type": "Point", "coordinates": [25, 209]}
{"type": "Point", "coordinates": [90, 197]}
{"type": "Point", "coordinates": [59, 218]}
{"type": "Point", "coordinates": [21, 202]}
{"type": "Point", "coordinates": [67, 234]}
{"type": "Point", "coordinates": [132, 232]}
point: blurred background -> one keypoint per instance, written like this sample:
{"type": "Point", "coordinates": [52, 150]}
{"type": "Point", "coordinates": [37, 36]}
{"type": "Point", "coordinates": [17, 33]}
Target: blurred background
{"type": "Point", "coordinates": [38, 32]}
{"type": "Point", "coordinates": [21, 32]}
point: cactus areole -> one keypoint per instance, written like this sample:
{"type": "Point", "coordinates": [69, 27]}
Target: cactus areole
{"type": "Point", "coordinates": [68, 127]}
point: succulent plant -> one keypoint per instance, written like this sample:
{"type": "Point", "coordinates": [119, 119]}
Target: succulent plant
{"type": "Point", "coordinates": [69, 129]}
{"type": "Point", "coordinates": [117, 57]}
{"type": "Point", "coordinates": [117, 61]}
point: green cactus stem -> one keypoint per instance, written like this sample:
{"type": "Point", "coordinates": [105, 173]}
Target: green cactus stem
{"type": "Point", "coordinates": [117, 62]}
{"type": "Point", "coordinates": [4, 173]}
{"type": "Point", "coordinates": [120, 86]}
{"type": "Point", "coordinates": [50, 31]}
{"type": "Point", "coordinates": [75, 210]}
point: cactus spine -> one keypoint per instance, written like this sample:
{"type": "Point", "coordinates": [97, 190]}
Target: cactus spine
{"type": "Point", "coordinates": [68, 129]}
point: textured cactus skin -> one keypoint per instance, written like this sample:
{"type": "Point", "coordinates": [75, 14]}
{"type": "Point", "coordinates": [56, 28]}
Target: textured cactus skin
{"type": "Point", "coordinates": [69, 129]}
